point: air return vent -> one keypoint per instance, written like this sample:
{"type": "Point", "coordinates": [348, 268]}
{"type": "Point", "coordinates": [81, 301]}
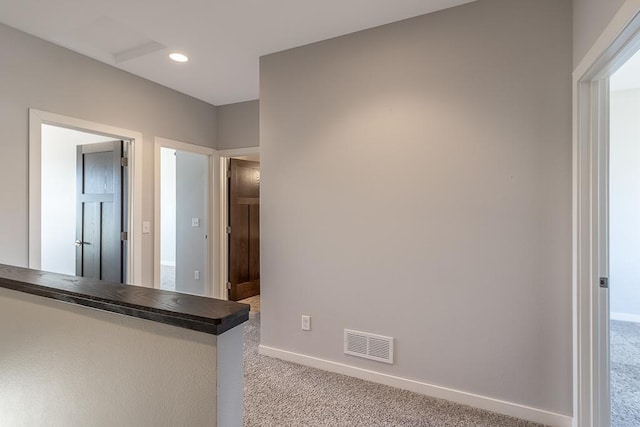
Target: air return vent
{"type": "Point", "coordinates": [369, 346]}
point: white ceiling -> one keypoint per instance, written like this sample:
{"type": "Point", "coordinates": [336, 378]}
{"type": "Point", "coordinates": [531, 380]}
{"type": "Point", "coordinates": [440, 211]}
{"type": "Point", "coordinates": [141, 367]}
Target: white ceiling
{"type": "Point", "coordinates": [628, 76]}
{"type": "Point", "coordinates": [223, 38]}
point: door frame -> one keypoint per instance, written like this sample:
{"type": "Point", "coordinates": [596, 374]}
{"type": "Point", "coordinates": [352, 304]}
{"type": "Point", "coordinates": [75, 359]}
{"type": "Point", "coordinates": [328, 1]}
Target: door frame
{"type": "Point", "coordinates": [223, 246]}
{"type": "Point", "coordinates": [619, 41]}
{"type": "Point", "coordinates": [134, 191]}
{"type": "Point", "coordinates": [212, 287]}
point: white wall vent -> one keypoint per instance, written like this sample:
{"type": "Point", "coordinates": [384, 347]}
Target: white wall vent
{"type": "Point", "coordinates": [369, 346]}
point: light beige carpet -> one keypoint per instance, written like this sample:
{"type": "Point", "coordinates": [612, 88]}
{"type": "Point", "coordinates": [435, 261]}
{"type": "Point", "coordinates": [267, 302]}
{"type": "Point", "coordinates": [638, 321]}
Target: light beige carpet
{"type": "Point", "coordinates": [254, 302]}
{"type": "Point", "coordinates": [283, 394]}
{"type": "Point", "coordinates": [625, 374]}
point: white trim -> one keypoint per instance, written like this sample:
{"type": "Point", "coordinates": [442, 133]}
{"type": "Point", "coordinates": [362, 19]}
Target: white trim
{"type": "Point", "coordinates": [36, 119]}
{"type": "Point", "coordinates": [225, 155]}
{"type": "Point", "coordinates": [590, 136]}
{"type": "Point", "coordinates": [602, 382]}
{"type": "Point", "coordinates": [183, 146]}
{"type": "Point", "coordinates": [477, 401]}
{"type": "Point", "coordinates": [222, 227]}
{"type": "Point", "coordinates": [610, 37]}
{"type": "Point", "coordinates": [239, 152]}
{"type": "Point", "coordinates": [625, 317]}
{"type": "Point", "coordinates": [212, 231]}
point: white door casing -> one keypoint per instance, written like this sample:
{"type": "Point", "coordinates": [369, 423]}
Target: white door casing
{"type": "Point", "coordinates": [134, 243]}
{"type": "Point", "coordinates": [614, 47]}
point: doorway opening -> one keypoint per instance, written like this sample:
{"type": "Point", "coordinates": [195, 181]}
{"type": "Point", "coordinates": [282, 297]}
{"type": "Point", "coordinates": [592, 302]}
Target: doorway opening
{"type": "Point", "coordinates": [241, 221]}
{"type": "Point", "coordinates": [624, 243]}
{"type": "Point", "coordinates": [84, 198]}
{"type": "Point", "coordinates": [83, 178]}
{"type": "Point", "coordinates": [604, 182]}
{"type": "Point", "coordinates": [184, 218]}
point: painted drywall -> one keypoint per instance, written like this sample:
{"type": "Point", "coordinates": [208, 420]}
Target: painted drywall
{"type": "Point", "coordinates": [239, 125]}
{"type": "Point", "coordinates": [192, 171]}
{"type": "Point", "coordinates": [37, 74]}
{"type": "Point", "coordinates": [416, 183]}
{"type": "Point", "coordinates": [59, 198]}
{"type": "Point", "coordinates": [168, 206]}
{"type": "Point", "coordinates": [64, 365]}
{"type": "Point", "coordinates": [624, 199]}
{"type": "Point", "coordinates": [590, 18]}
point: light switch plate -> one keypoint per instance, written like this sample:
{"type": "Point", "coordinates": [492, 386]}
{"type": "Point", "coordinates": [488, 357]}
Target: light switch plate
{"type": "Point", "coordinates": [195, 222]}
{"type": "Point", "coordinates": [306, 323]}
{"type": "Point", "coordinates": [146, 227]}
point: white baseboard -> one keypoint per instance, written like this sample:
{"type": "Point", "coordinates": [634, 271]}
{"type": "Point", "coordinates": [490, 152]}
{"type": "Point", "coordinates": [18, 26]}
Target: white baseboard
{"type": "Point", "coordinates": [477, 401]}
{"type": "Point", "coordinates": [625, 317]}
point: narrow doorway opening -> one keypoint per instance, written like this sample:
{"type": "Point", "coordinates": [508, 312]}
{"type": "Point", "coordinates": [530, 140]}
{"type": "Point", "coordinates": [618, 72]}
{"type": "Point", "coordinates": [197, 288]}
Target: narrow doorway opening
{"type": "Point", "coordinates": [602, 237]}
{"type": "Point", "coordinates": [168, 218]}
{"type": "Point", "coordinates": [84, 200]}
{"type": "Point", "coordinates": [184, 206]}
{"type": "Point", "coordinates": [184, 218]}
{"type": "Point", "coordinates": [241, 223]}
{"type": "Point", "coordinates": [624, 243]}
{"type": "Point", "coordinates": [244, 230]}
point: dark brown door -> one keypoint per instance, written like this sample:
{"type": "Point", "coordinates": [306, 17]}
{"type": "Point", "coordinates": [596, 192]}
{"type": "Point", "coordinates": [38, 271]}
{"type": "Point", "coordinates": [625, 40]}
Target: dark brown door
{"type": "Point", "coordinates": [244, 238]}
{"type": "Point", "coordinates": [99, 245]}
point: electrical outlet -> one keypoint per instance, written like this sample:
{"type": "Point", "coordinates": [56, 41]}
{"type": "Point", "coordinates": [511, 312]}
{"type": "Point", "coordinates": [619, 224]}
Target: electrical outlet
{"type": "Point", "coordinates": [306, 323]}
{"type": "Point", "coordinates": [196, 275]}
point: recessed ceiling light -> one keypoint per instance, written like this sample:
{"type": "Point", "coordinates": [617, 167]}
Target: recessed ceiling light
{"type": "Point", "coordinates": [178, 57]}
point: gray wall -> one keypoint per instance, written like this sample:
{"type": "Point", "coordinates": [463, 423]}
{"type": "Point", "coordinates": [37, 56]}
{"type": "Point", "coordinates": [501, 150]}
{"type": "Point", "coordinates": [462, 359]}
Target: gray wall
{"type": "Point", "coordinates": [38, 74]}
{"type": "Point", "coordinates": [238, 125]}
{"type": "Point", "coordinates": [416, 183]}
{"type": "Point", "coordinates": [590, 18]}
{"type": "Point", "coordinates": [192, 176]}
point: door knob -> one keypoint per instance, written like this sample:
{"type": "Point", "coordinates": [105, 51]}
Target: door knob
{"type": "Point", "coordinates": [80, 243]}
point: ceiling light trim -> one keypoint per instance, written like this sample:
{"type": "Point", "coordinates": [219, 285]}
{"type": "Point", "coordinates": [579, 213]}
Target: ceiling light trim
{"type": "Point", "coordinates": [179, 57]}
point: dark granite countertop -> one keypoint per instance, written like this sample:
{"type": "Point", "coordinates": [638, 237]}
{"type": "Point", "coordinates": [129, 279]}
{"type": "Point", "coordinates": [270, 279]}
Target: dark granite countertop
{"type": "Point", "coordinates": [202, 314]}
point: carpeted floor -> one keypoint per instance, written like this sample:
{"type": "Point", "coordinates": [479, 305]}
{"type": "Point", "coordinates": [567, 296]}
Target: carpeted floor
{"type": "Point", "coordinates": [283, 394]}
{"type": "Point", "coordinates": [625, 373]}
{"type": "Point", "coordinates": [254, 302]}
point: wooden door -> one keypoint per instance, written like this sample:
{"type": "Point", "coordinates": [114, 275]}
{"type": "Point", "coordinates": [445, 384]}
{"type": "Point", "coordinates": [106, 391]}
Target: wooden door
{"type": "Point", "coordinates": [244, 236]}
{"type": "Point", "coordinates": [99, 245]}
